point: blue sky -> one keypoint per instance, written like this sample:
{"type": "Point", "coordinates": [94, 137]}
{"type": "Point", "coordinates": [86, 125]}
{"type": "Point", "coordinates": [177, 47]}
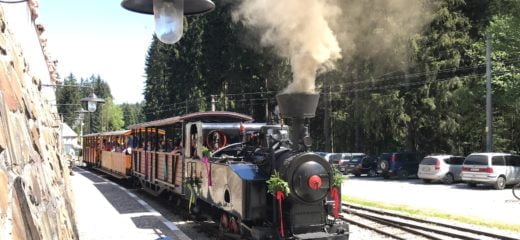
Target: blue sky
{"type": "Point", "coordinates": [99, 37]}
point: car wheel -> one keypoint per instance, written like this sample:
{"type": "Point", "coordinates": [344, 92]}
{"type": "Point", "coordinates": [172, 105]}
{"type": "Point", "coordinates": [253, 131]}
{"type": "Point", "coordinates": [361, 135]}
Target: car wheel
{"type": "Point", "coordinates": [372, 173]}
{"type": "Point", "coordinates": [427, 180]}
{"type": "Point", "coordinates": [500, 183]}
{"type": "Point", "coordinates": [403, 174]}
{"type": "Point", "coordinates": [383, 165]}
{"type": "Point", "coordinates": [448, 178]}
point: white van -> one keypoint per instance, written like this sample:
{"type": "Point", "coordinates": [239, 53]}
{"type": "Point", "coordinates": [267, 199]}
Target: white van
{"type": "Point", "coordinates": [497, 169]}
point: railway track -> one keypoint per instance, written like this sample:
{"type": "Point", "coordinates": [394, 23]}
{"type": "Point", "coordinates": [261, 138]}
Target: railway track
{"type": "Point", "coordinates": [404, 227]}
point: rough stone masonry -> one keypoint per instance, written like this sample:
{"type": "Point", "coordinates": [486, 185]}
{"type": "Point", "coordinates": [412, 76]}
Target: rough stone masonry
{"type": "Point", "coordinates": [35, 190]}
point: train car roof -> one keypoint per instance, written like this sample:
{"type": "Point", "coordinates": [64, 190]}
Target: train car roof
{"type": "Point", "coordinates": [113, 133]}
{"type": "Point", "coordinates": [91, 135]}
{"type": "Point", "coordinates": [218, 116]}
{"type": "Point", "coordinates": [116, 133]}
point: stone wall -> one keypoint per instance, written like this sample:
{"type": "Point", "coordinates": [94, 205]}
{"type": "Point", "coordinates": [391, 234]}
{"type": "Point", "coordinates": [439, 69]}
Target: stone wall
{"type": "Point", "coordinates": [35, 191]}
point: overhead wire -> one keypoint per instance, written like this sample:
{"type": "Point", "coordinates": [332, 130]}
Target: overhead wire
{"type": "Point", "coordinates": [423, 74]}
{"type": "Point", "coordinates": [235, 97]}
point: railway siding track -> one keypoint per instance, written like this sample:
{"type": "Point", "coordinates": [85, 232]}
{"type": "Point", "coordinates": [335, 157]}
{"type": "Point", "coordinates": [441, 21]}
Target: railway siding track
{"type": "Point", "coordinates": [394, 224]}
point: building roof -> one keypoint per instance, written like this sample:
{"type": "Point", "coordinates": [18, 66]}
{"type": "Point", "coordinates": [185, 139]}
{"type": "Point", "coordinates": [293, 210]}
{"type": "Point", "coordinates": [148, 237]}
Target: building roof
{"type": "Point", "coordinates": [66, 131]}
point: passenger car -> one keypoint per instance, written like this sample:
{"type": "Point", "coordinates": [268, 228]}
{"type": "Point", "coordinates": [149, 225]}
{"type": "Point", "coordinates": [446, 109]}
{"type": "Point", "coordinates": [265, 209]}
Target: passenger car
{"type": "Point", "coordinates": [400, 164]}
{"type": "Point", "coordinates": [362, 164]}
{"type": "Point", "coordinates": [445, 168]}
{"type": "Point", "coordinates": [497, 169]}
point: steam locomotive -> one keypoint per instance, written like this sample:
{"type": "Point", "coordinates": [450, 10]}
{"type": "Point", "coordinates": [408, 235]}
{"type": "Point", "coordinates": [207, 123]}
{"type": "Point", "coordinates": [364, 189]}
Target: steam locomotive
{"type": "Point", "coordinates": [227, 167]}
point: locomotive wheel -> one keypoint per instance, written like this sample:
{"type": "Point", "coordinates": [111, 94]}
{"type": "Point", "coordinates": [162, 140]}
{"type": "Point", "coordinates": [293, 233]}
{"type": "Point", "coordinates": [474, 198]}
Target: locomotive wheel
{"type": "Point", "coordinates": [224, 222]}
{"type": "Point", "coordinates": [233, 226]}
{"type": "Point", "coordinates": [135, 183]}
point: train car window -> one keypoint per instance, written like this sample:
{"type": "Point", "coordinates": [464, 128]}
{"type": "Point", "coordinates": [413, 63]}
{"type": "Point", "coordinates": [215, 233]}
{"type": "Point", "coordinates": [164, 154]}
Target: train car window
{"type": "Point", "coordinates": [193, 141]}
{"type": "Point", "coordinates": [216, 139]}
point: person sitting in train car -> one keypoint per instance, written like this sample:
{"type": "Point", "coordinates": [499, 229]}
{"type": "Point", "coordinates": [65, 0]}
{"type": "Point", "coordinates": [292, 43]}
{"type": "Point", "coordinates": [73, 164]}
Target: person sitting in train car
{"type": "Point", "coordinates": [108, 146]}
{"type": "Point", "coordinates": [178, 149]}
{"type": "Point", "coordinates": [162, 146]}
{"type": "Point", "coordinates": [101, 145]}
{"type": "Point", "coordinates": [129, 142]}
{"type": "Point", "coordinates": [169, 146]}
{"type": "Point", "coordinates": [120, 146]}
{"type": "Point", "coordinates": [128, 150]}
{"type": "Point", "coordinates": [135, 142]}
{"type": "Point", "coordinates": [117, 145]}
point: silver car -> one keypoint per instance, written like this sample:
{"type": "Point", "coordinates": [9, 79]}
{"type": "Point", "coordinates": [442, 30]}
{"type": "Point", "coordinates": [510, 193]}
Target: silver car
{"type": "Point", "coordinates": [497, 169]}
{"type": "Point", "coordinates": [445, 168]}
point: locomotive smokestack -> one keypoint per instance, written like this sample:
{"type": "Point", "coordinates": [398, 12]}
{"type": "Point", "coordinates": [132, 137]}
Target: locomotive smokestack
{"type": "Point", "coordinates": [297, 107]}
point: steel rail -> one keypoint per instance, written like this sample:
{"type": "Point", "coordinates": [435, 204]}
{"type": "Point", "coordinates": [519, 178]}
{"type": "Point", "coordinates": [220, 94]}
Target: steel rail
{"type": "Point", "coordinates": [371, 228]}
{"type": "Point", "coordinates": [462, 229]}
{"type": "Point", "coordinates": [410, 226]}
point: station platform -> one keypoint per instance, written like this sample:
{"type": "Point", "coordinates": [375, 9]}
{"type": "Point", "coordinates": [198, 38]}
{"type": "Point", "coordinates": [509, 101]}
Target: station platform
{"type": "Point", "coordinates": [107, 211]}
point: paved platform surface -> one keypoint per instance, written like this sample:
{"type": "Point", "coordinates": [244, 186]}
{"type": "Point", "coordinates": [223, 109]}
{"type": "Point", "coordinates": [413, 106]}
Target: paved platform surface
{"type": "Point", "coordinates": [107, 211]}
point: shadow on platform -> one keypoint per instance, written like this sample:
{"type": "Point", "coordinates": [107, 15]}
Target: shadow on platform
{"type": "Point", "coordinates": [118, 198]}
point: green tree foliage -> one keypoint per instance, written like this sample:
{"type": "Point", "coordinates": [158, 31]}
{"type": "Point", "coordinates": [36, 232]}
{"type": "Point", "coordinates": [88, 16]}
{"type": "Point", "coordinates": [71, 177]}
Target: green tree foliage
{"type": "Point", "coordinates": [424, 93]}
{"type": "Point", "coordinates": [111, 116]}
{"type": "Point", "coordinates": [212, 58]}
{"type": "Point", "coordinates": [68, 99]}
{"type": "Point", "coordinates": [132, 113]}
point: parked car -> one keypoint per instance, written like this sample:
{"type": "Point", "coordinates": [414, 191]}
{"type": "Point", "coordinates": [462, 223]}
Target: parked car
{"type": "Point", "coordinates": [497, 169]}
{"type": "Point", "coordinates": [333, 159]}
{"type": "Point", "coordinates": [400, 164]}
{"type": "Point", "coordinates": [445, 168]}
{"type": "Point", "coordinates": [341, 160]}
{"type": "Point", "coordinates": [362, 164]}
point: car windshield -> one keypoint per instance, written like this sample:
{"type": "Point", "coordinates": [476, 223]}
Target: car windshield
{"type": "Point", "coordinates": [356, 159]}
{"type": "Point", "coordinates": [323, 154]}
{"type": "Point", "coordinates": [429, 161]}
{"type": "Point", "coordinates": [334, 158]}
{"type": "Point", "coordinates": [476, 160]}
{"type": "Point", "coordinates": [386, 156]}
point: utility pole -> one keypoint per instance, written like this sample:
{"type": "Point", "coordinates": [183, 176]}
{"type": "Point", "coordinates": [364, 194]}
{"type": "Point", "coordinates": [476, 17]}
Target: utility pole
{"type": "Point", "coordinates": [489, 113]}
{"type": "Point", "coordinates": [326, 118]}
{"type": "Point", "coordinates": [266, 102]}
{"type": "Point", "coordinates": [213, 103]}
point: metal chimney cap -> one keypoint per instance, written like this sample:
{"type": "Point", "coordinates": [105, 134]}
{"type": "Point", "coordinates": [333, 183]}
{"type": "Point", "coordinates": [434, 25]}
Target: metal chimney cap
{"type": "Point", "coordinates": [298, 105]}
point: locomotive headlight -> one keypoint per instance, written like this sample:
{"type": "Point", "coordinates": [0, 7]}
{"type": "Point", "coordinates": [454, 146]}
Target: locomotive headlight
{"type": "Point", "coordinates": [169, 18]}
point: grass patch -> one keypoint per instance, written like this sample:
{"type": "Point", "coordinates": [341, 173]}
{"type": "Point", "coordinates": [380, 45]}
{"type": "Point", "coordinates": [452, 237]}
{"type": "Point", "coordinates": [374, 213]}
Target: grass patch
{"type": "Point", "coordinates": [410, 211]}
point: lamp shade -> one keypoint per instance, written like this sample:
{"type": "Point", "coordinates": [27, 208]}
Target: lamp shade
{"type": "Point", "coordinates": [191, 7]}
{"type": "Point", "coordinates": [92, 100]}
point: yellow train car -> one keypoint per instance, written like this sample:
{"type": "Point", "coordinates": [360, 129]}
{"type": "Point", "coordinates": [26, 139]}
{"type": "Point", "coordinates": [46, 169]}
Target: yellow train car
{"type": "Point", "coordinates": [114, 152]}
